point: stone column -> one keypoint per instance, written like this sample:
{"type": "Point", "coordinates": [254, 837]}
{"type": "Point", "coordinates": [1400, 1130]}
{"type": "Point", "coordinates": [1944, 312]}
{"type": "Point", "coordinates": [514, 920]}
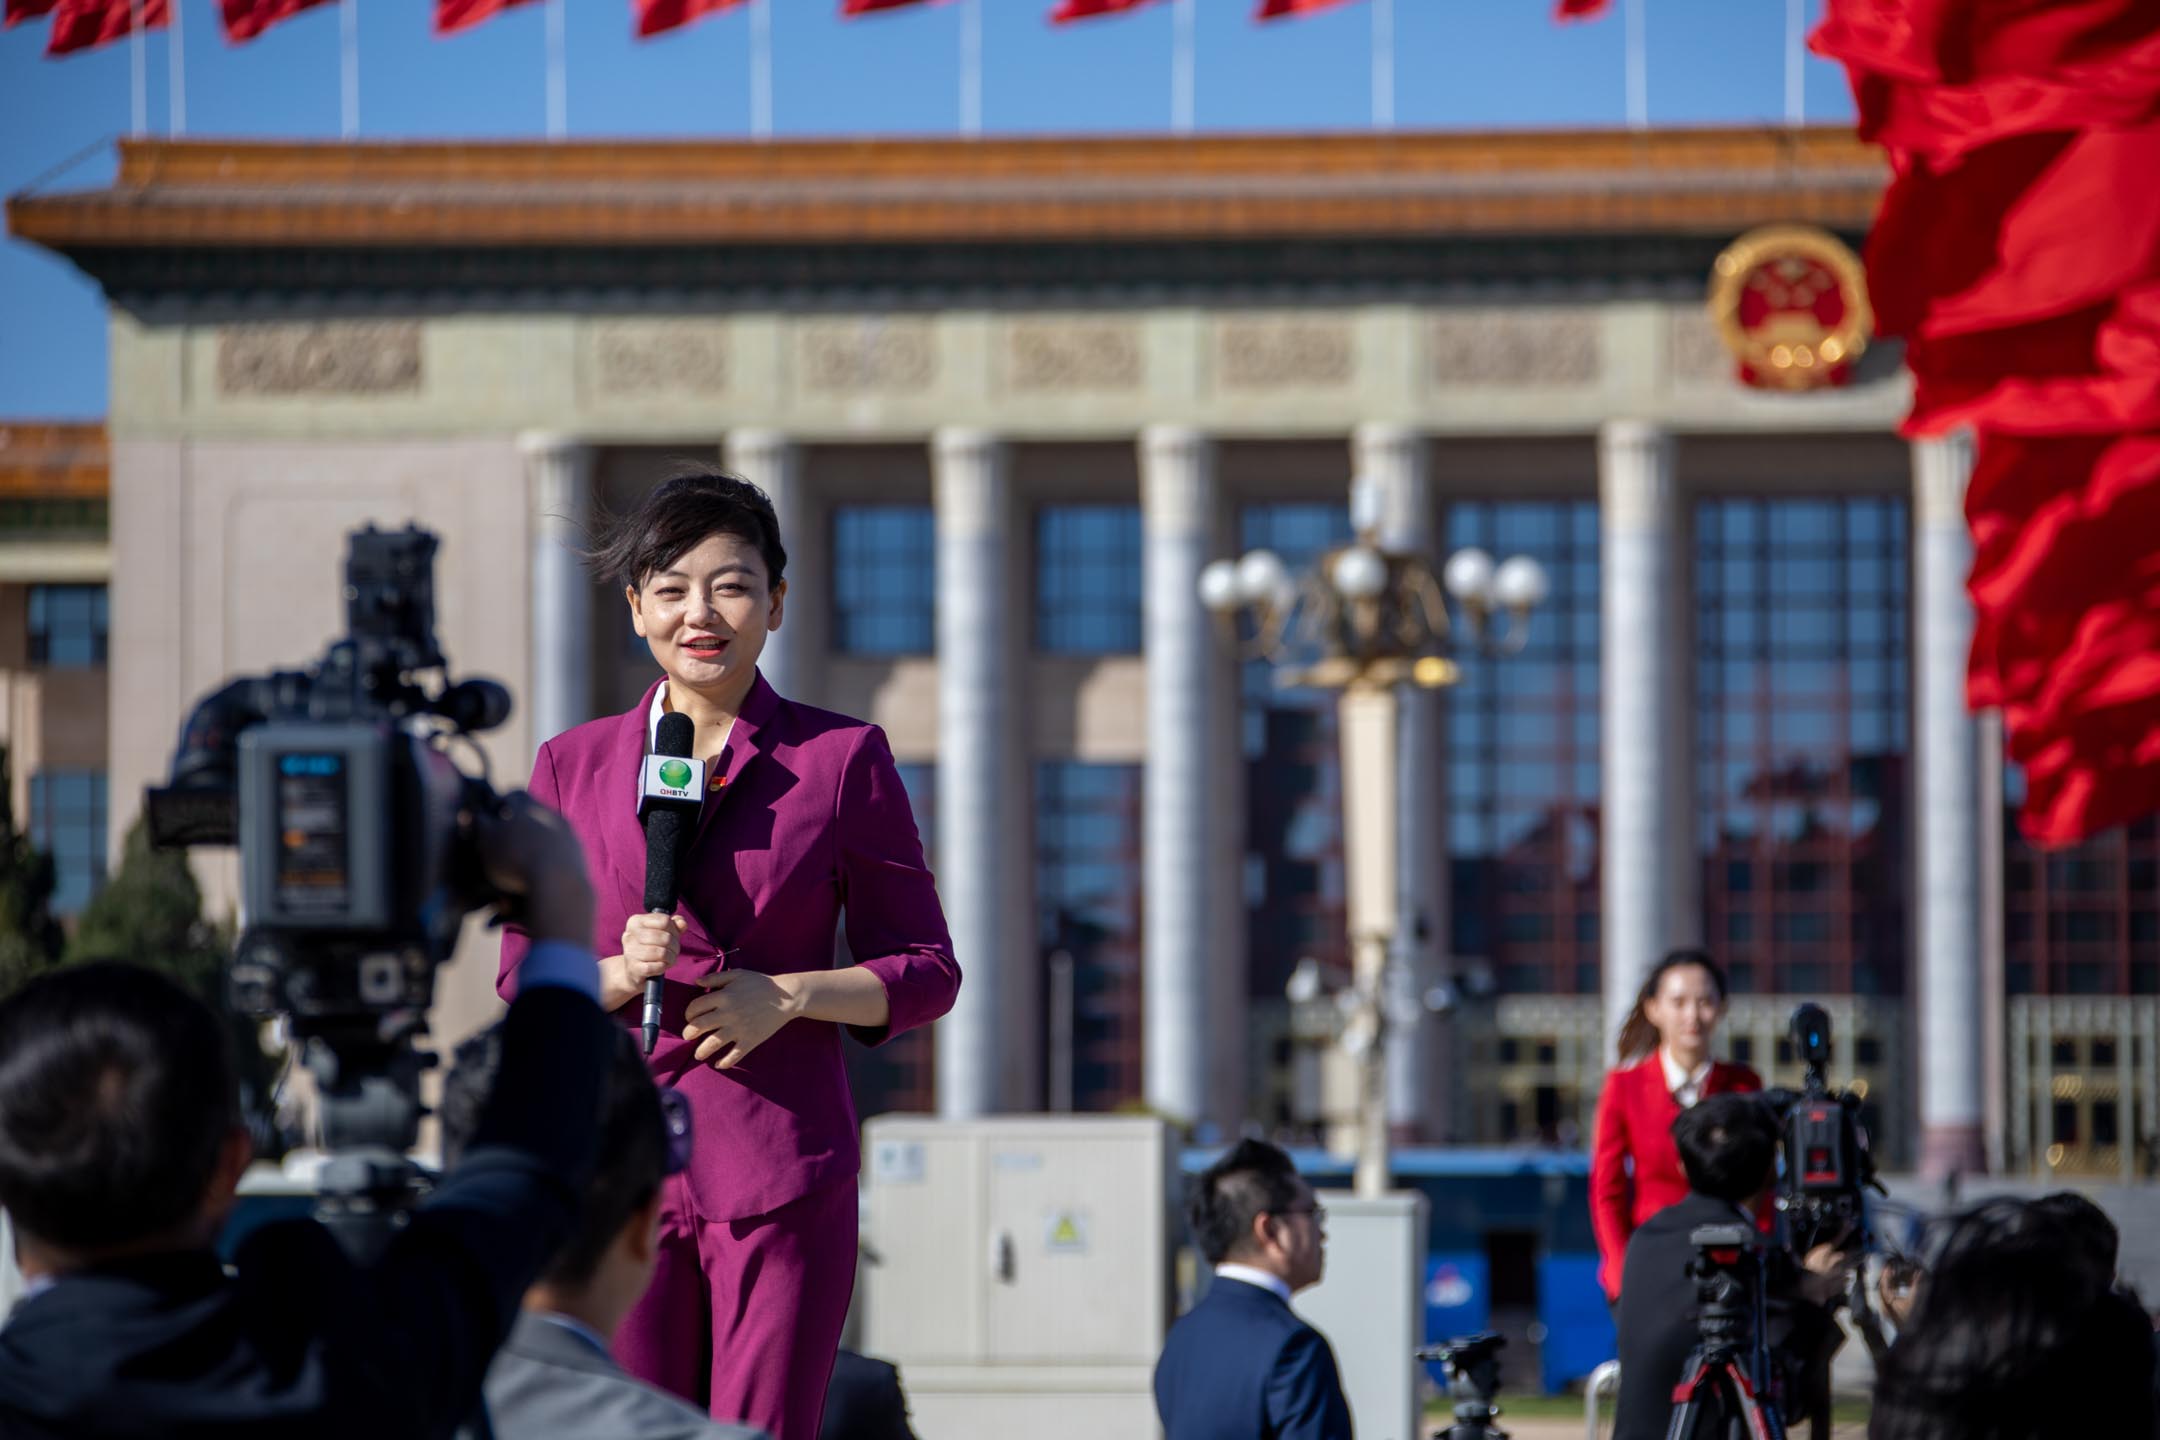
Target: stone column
{"type": "Point", "coordinates": [1392, 466]}
{"type": "Point", "coordinates": [982, 866]}
{"type": "Point", "coordinates": [1947, 788]}
{"type": "Point", "coordinates": [560, 485]}
{"type": "Point", "coordinates": [1185, 1013]}
{"type": "Point", "coordinates": [1639, 511]}
{"type": "Point", "coordinates": [771, 461]}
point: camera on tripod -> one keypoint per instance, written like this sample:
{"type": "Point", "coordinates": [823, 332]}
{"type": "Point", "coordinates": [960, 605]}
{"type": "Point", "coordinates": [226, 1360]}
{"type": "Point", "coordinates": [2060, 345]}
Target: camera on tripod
{"type": "Point", "coordinates": [1473, 1370]}
{"type": "Point", "coordinates": [1828, 1165]}
{"type": "Point", "coordinates": [1729, 1378]}
{"type": "Point", "coordinates": [357, 855]}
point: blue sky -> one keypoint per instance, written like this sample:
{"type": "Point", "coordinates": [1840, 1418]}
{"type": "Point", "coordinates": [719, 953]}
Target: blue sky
{"type": "Point", "coordinates": [1462, 64]}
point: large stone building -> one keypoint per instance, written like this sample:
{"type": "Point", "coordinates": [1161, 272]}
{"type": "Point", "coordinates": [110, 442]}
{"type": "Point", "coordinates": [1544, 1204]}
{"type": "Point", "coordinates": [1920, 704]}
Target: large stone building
{"type": "Point", "coordinates": [1010, 396]}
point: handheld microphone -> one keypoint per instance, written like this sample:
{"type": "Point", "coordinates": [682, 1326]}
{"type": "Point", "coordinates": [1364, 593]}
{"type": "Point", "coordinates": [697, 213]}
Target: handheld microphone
{"type": "Point", "coordinates": [670, 789]}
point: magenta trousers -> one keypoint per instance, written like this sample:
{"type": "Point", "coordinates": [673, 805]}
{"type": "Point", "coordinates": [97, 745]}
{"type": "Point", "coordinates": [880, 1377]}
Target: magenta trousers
{"type": "Point", "coordinates": [743, 1316]}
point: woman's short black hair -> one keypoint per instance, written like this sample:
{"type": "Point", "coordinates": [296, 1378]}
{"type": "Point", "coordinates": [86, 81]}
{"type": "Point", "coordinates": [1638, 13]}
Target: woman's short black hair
{"type": "Point", "coordinates": [2016, 1335]}
{"type": "Point", "coordinates": [694, 502]}
{"type": "Point", "coordinates": [1254, 1179]}
{"type": "Point", "coordinates": [116, 1093]}
{"type": "Point", "coordinates": [1727, 1144]}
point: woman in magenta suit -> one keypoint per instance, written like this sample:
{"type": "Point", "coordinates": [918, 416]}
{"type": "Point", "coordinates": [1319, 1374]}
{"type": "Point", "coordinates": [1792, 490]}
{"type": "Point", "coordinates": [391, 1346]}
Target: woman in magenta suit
{"type": "Point", "coordinates": [804, 818]}
{"type": "Point", "coordinates": [1665, 1066]}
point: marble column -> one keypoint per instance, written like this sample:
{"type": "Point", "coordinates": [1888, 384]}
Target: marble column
{"type": "Point", "coordinates": [1952, 1015]}
{"type": "Point", "coordinates": [982, 868]}
{"type": "Point", "coordinates": [1187, 1015]}
{"type": "Point", "coordinates": [1639, 842]}
{"type": "Point", "coordinates": [1393, 471]}
{"type": "Point", "coordinates": [771, 461]}
{"type": "Point", "coordinates": [559, 470]}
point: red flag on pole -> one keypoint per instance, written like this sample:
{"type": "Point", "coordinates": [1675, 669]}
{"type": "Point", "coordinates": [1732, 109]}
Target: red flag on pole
{"type": "Point", "coordinates": [850, 8]}
{"type": "Point", "coordinates": [1283, 9]}
{"type": "Point", "coordinates": [1071, 10]}
{"type": "Point", "coordinates": [245, 19]}
{"type": "Point", "coordinates": [2018, 254]}
{"type": "Point", "coordinates": [1580, 9]}
{"type": "Point", "coordinates": [655, 17]}
{"type": "Point", "coordinates": [87, 24]}
{"type": "Point", "coordinates": [452, 16]}
{"type": "Point", "coordinates": [21, 10]}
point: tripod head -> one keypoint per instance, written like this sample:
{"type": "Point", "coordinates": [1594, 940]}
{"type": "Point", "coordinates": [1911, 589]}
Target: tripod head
{"type": "Point", "coordinates": [1473, 1367]}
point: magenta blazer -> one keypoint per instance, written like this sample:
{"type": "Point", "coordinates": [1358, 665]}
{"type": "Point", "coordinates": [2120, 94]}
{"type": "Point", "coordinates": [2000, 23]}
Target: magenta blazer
{"type": "Point", "coordinates": [811, 820]}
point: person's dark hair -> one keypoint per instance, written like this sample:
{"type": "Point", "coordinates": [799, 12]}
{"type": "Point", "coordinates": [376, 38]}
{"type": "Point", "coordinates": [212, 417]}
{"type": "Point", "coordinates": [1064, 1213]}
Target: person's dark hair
{"type": "Point", "coordinates": [116, 1093]}
{"type": "Point", "coordinates": [694, 502]}
{"type": "Point", "coordinates": [1727, 1145]}
{"type": "Point", "coordinates": [2013, 1336]}
{"type": "Point", "coordinates": [2093, 1237]}
{"type": "Point", "coordinates": [633, 1145]}
{"type": "Point", "coordinates": [1254, 1179]}
{"type": "Point", "coordinates": [1638, 1037]}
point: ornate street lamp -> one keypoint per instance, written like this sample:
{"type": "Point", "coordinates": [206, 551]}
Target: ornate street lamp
{"type": "Point", "coordinates": [1374, 620]}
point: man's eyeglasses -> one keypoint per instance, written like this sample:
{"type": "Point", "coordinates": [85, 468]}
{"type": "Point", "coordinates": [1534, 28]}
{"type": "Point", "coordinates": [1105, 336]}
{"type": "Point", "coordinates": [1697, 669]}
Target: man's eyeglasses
{"type": "Point", "coordinates": [675, 1112]}
{"type": "Point", "coordinates": [1316, 1210]}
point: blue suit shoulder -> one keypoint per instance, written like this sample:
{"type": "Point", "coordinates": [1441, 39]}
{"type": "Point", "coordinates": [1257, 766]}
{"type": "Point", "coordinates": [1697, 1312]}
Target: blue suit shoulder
{"type": "Point", "coordinates": [1241, 1364]}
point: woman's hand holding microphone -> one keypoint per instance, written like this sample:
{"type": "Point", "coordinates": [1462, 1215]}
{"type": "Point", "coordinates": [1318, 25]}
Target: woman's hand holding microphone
{"type": "Point", "coordinates": [650, 944]}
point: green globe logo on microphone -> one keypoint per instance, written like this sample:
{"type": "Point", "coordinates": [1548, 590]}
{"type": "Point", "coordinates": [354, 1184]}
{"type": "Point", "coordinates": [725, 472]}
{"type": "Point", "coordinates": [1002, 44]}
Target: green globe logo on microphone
{"type": "Point", "coordinates": [675, 774]}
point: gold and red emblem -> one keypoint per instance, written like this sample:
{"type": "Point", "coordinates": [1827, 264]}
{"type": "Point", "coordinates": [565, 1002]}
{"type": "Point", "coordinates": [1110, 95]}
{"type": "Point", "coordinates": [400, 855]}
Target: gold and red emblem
{"type": "Point", "coordinates": [1790, 302]}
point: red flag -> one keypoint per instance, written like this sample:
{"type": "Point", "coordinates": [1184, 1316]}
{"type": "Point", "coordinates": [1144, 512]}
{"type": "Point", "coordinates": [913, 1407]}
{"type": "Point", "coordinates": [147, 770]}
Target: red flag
{"type": "Point", "coordinates": [1071, 10]}
{"type": "Point", "coordinates": [2018, 253]}
{"type": "Point", "coordinates": [1579, 9]}
{"type": "Point", "coordinates": [452, 16]}
{"type": "Point", "coordinates": [870, 7]}
{"type": "Point", "coordinates": [21, 10]}
{"type": "Point", "coordinates": [1282, 9]}
{"type": "Point", "coordinates": [655, 17]}
{"type": "Point", "coordinates": [86, 24]}
{"type": "Point", "coordinates": [245, 19]}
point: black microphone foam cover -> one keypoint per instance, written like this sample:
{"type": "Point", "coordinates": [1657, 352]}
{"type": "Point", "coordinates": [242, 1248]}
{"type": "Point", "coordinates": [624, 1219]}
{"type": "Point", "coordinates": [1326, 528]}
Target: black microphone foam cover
{"type": "Point", "coordinates": [674, 735]}
{"type": "Point", "coordinates": [663, 842]}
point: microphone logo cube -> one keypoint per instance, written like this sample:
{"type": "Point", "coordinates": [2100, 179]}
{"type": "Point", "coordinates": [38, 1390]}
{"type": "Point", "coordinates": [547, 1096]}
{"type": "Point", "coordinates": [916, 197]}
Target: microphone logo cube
{"type": "Point", "coordinates": [671, 780]}
{"type": "Point", "coordinates": [675, 773]}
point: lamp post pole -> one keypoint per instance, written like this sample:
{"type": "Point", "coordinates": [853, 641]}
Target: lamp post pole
{"type": "Point", "coordinates": [1375, 621]}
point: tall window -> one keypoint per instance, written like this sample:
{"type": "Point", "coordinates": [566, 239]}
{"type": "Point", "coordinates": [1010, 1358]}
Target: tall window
{"type": "Point", "coordinates": [1087, 579]}
{"type": "Point", "coordinates": [67, 819]}
{"type": "Point", "coordinates": [1523, 780]}
{"type": "Point", "coordinates": [2085, 920]}
{"type": "Point", "coordinates": [1294, 887]}
{"type": "Point", "coordinates": [884, 578]}
{"type": "Point", "coordinates": [1087, 908]}
{"type": "Point", "coordinates": [901, 1074]}
{"type": "Point", "coordinates": [67, 625]}
{"type": "Point", "coordinates": [1801, 720]}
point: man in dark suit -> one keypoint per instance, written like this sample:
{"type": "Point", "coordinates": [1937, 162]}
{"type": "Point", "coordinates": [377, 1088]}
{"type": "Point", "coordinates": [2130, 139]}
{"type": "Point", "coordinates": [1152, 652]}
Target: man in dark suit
{"type": "Point", "coordinates": [1241, 1365]}
{"type": "Point", "coordinates": [554, 1379]}
{"type": "Point", "coordinates": [121, 1147]}
{"type": "Point", "coordinates": [1728, 1148]}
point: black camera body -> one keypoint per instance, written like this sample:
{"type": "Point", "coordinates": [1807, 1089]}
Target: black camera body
{"type": "Point", "coordinates": [358, 861]}
{"type": "Point", "coordinates": [1828, 1165]}
{"type": "Point", "coordinates": [353, 825]}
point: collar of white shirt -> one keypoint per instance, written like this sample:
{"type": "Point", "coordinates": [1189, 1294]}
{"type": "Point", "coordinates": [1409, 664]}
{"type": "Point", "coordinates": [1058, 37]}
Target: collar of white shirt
{"type": "Point", "coordinates": [1685, 1084]}
{"type": "Point", "coordinates": [1272, 1283]}
{"type": "Point", "coordinates": [659, 708]}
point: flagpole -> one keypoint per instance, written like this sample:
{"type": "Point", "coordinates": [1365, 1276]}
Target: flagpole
{"type": "Point", "coordinates": [971, 41]}
{"type": "Point", "coordinates": [175, 71]}
{"type": "Point", "coordinates": [761, 106]}
{"type": "Point", "coordinates": [1795, 54]}
{"type": "Point", "coordinates": [558, 73]}
{"type": "Point", "coordinates": [1181, 70]}
{"type": "Point", "coordinates": [349, 69]}
{"type": "Point", "coordinates": [1383, 64]}
{"type": "Point", "coordinates": [1638, 67]}
{"type": "Point", "coordinates": [138, 68]}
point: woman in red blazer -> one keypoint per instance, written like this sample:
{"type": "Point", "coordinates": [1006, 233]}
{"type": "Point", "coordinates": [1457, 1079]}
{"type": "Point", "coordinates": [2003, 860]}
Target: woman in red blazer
{"type": "Point", "coordinates": [1665, 1065]}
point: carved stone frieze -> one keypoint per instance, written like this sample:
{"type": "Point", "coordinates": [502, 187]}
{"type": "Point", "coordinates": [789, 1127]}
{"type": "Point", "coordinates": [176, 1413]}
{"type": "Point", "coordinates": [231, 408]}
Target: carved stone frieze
{"type": "Point", "coordinates": [1697, 353]}
{"type": "Point", "coordinates": [1512, 345]}
{"type": "Point", "coordinates": [331, 357]}
{"type": "Point", "coordinates": [881, 355]}
{"type": "Point", "coordinates": [660, 357]}
{"type": "Point", "coordinates": [1073, 355]}
{"type": "Point", "coordinates": [1255, 352]}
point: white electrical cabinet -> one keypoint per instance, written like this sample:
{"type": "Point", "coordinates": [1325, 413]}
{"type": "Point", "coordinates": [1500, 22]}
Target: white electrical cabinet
{"type": "Point", "coordinates": [1018, 1271]}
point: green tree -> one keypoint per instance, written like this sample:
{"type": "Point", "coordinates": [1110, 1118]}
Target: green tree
{"type": "Point", "coordinates": [29, 936]}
